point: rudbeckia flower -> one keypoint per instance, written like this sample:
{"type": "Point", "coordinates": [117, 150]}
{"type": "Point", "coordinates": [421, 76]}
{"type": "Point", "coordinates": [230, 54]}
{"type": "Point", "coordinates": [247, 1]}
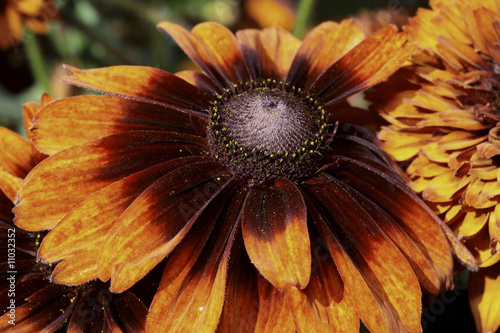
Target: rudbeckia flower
{"type": "Point", "coordinates": [15, 14]}
{"type": "Point", "coordinates": [444, 120]}
{"type": "Point", "coordinates": [30, 302]}
{"type": "Point", "coordinates": [275, 210]}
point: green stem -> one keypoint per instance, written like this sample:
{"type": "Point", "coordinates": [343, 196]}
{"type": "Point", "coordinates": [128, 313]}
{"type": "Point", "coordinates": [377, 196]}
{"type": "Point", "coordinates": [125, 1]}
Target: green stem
{"type": "Point", "coordinates": [36, 60]}
{"type": "Point", "coordinates": [303, 14]}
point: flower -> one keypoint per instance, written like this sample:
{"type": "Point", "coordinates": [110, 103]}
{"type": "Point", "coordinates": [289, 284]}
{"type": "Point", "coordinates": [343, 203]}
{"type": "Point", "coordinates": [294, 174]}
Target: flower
{"type": "Point", "coordinates": [30, 302]}
{"type": "Point", "coordinates": [268, 13]}
{"type": "Point", "coordinates": [274, 212]}
{"type": "Point", "coordinates": [16, 13]}
{"type": "Point", "coordinates": [444, 120]}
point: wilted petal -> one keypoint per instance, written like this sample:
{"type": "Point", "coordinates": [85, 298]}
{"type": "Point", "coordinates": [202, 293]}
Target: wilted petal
{"type": "Point", "coordinates": [274, 225]}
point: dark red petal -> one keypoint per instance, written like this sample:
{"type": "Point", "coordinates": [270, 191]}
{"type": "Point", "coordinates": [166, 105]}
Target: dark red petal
{"type": "Point", "coordinates": [125, 313]}
{"type": "Point", "coordinates": [145, 84]}
{"type": "Point", "coordinates": [46, 311]}
{"type": "Point", "coordinates": [373, 253]}
{"type": "Point", "coordinates": [73, 121]}
{"type": "Point", "coordinates": [370, 62]}
{"type": "Point", "coordinates": [200, 80]}
{"type": "Point", "coordinates": [412, 215]}
{"type": "Point", "coordinates": [324, 303]}
{"type": "Point", "coordinates": [67, 178]}
{"type": "Point", "coordinates": [268, 53]}
{"type": "Point", "coordinates": [191, 294]}
{"type": "Point", "coordinates": [88, 224]}
{"type": "Point", "coordinates": [155, 223]}
{"type": "Point", "coordinates": [274, 225]}
{"type": "Point", "coordinates": [325, 44]}
{"type": "Point", "coordinates": [214, 49]}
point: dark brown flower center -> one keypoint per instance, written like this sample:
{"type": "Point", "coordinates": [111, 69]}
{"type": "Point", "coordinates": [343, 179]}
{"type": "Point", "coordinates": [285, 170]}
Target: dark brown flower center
{"type": "Point", "coordinates": [268, 131]}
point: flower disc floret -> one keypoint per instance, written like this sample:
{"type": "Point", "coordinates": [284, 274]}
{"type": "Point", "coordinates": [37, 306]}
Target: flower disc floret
{"type": "Point", "coordinates": [268, 130]}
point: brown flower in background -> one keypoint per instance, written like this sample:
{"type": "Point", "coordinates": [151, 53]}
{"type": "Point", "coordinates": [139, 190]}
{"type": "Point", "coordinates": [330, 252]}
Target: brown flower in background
{"type": "Point", "coordinates": [30, 302]}
{"type": "Point", "coordinates": [444, 116]}
{"type": "Point", "coordinates": [275, 213]}
{"type": "Point", "coordinates": [15, 14]}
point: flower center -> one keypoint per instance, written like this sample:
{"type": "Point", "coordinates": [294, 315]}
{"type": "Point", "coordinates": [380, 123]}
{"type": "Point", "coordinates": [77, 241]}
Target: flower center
{"type": "Point", "coordinates": [267, 130]}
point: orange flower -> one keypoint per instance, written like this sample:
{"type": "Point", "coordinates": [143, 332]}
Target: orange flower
{"type": "Point", "coordinates": [268, 13]}
{"type": "Point", "coordinates": [444, 119]}
{"type": "Point", "coordinates": [16, 13]}
{"type": "Point", "coordinates": [274, 212]}
{"type": "Point", "coordinates": [30, 302]}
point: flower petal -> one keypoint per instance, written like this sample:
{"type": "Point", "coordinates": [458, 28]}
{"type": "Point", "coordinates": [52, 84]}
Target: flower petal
{"type": "Point", "coordinates": [484, 293]}
{"type": "Point", "coordinates": [155, 223]}
{"type": "Point", "coordinates": [324, 45]}
{"type": "Point", "coordinates": [126, 313]}
{"type": "Point", "coordinates": [214, 49]}
{"type": "Point", "coordinates": [191, 293]}
{"type": "Point", "coordinates": [46, 311]}
{"type": "Point", "coordinates": [274, 225]}
{"type": "Point", "coordinates": [373, 253]}
{"type": "Point", "coordinates": [406, 209]}
{"type": "Point", "coordinates": [324, 303]}
{"type": "Point", "coordinates": [73, 121]}
{"type": "Point", "coordinates": [268, 53]}
{"type": "Point", "coordinates": [145, 84]}
{"type": "Point", "coordinates": [9, 184]}
{"type": "Point", "coordinates": [15, 153]}
{"type": "Point", "coordinates": [52, 189]}
{"type": "Point", "coordinates": [370, 62]}
{"type": "Point", "coordinates": [87, 225]}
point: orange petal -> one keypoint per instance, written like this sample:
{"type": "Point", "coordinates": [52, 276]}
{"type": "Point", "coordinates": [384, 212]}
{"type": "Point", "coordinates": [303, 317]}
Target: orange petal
{"type": "Point", "coordinates": [52, 189]}
{"type": "Point", "coordinates": [373, 253]}
{"type": "Point", "coordinates": [145, 84]}
{"type": "Point", "coordinates": [214, 49]}
{"type": "Point", "coordinates": [9, 184]}
{"type": "Point", "coordinates": [78, 268]}
{"type": "Point", "coordinates": [72, 121]}
{"type": "Point", "coordinates": [15, 153]}
{"type": "Point", "coordinates": [325, 301]}
{"type": "Point", "coordinates": [484, 293]}
{"type": "Point", "coordinates": [274, 225]}
{"type": "Point", "coordinates": [367, 64]}
{"type": "Point", "coordinates": [198, 79]}
{"type": "Point", "coordinates": [191, 293]}
{"type": "Point", "coordinates": [325, 44]}
{"type": "Point", "coordinates": [155, 223]}
{"type": "Point", "coordinates": [268, 53]}
{"type": "Point", "coordinates": [86, 227]}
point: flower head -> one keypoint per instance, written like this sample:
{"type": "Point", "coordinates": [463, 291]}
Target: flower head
{"type": "Point", "coordinates": [30, 301]}
{"type": "Point", "coordinates": [273, 209]}
{"type": "Point", "coordinates": [444, 120]}
{"type": "Point", "coordinates": [14, 14]}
